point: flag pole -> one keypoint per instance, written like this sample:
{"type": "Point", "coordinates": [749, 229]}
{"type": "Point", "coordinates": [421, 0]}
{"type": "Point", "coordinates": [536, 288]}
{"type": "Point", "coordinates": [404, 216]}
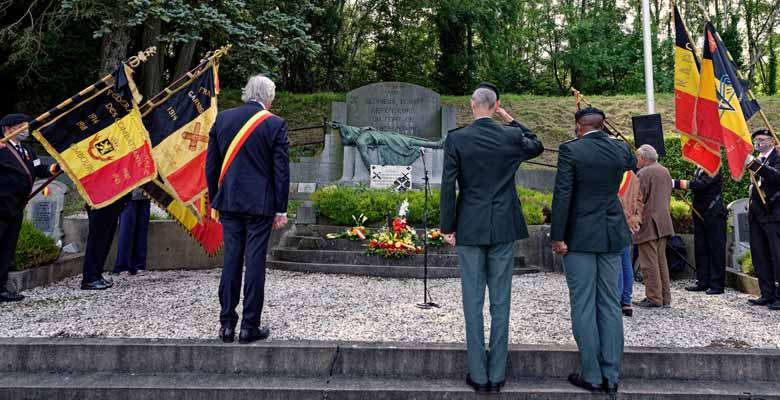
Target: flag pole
{"type": "Point", "coordinates": [133, 62]}
{"type": "Point", "coordinates": [648, 56]}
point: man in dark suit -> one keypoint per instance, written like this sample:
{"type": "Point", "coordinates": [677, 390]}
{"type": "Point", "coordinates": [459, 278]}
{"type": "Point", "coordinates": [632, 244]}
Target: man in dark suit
{"type": "Point", "coordinates": [248, 175]}
{"type": "Point", "coordinates": [709, 231]}
{"type": "Point", "coordinates": [589, 229]}
{"type": "Point", "coordinates": [487, 218]}
{"type": "Point", "coordinates": [764, 218]}
{"type": "Point", "coordinates": [19, 166]}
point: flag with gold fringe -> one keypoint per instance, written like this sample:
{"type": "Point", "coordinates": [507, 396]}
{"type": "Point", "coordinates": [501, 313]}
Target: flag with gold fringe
{"type": "Point", "coordinates": [179, 129]}
{"type": "Point", "coordinates": [194, 218]}
{"type": "Point", "coordinates": [102, 143]}
{"type": "Point", "coordinates": [686, 87]}
{"type": "Point", "coordinates": [723, 106]}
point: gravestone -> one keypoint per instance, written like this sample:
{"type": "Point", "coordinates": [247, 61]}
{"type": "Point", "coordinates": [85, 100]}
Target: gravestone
{"type": "Point", "coordinates": [388, 106]}
{"type": "Point", "coordinates": [741, 229]}
{"type": "Point", "coordinates": [45, 212]}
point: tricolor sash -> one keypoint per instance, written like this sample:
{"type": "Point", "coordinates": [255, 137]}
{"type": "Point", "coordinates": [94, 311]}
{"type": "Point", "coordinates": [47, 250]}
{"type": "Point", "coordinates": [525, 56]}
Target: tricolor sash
{"type": "Point", "coordinates": [238, 141]}
{"type": "Point", "coordinates": [627, 176]}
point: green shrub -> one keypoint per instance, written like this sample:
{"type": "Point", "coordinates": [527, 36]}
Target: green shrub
{"type": "Point", "coordinates": [682, 218]}
{"type": "Point", "coordinates": [681, 169]}
{"type": "Point", "coordinates": [34, 248]}
{"type": "Point", "coordinates": [746, 261]}
{"type": "Point", "coordinates": [340, 203]}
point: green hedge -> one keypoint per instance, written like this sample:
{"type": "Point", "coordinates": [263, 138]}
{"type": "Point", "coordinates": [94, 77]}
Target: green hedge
{"type": "Point", "coordinates": [34, 248]}
{"type": "Point", "coordinates": [340, 203]}
{"type": "Point", "coordinates": [681, 169]}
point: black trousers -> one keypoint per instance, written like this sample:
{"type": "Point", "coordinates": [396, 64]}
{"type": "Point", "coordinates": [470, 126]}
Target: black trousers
{"type": "Point", "coordinates": [246, 237]}
{"type": "Point", "coordinates": [102, 227]}
{"type": "Point", "coordinates": [765, 250]}
{"type": "Point", "coordinates": [9, 236]}
{"type": "Point", "coordinates": [709, 242]}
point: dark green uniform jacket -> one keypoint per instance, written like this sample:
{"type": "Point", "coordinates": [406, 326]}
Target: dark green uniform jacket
{"type": "Point", "coordinates": [586, 212]}
{"type": "Point", "coordinates": [483, 159]}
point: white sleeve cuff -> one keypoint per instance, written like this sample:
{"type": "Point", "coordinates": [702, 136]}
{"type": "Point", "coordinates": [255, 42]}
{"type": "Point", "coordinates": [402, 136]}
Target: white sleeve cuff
{"type": "Point", "coordinates": [281, 215]}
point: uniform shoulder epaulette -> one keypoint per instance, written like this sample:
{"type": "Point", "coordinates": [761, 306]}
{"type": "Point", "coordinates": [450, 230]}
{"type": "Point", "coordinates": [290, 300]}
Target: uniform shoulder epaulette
{"type": "Point", "coordinates": [456, 129]}
{"type": "Point", "coordinates": [571, 140]}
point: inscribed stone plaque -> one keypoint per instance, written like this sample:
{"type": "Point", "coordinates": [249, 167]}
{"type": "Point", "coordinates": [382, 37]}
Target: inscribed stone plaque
{"type": "Point", "coordinates": [397, 177]}
{"type": "Point", "coordinates": [741, 228]}
{"type": "Point", "coordinates": [307, 187]}
{"type": "Point", "coordinates": [45, 212]}
{"type": "Point", "coordinates": [396, 107]}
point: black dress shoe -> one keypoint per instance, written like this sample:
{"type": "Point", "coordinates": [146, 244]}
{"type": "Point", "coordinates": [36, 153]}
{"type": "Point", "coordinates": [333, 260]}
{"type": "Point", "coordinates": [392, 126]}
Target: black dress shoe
{"type": "Point", "coordinates": [227, 334]}
{"type": "Point", "coordinates": [580, 382]}
{"type": "Point", "coordinates": [696, 288]}
{"type": "Point", "coordinates": [761, 301]}
{"type": "Point", "coordinates": [713, 292]}
{"type": "Point", "coordinates": [495, 387]}
{"type": "Point", "coordinates": [253, 335]}
{"type": "Point", "coordinates": [627, 310]}
{"type": "Point", "coordinates": [107, 282]}
{"type": "Point", "coordinates": [609, 388]}
{"type": "Point", "coordinates": [10, 297]}
{"type": "Point", "coordinates": [96, 285]}
{"type": "Point", "coordinates": [774, 306]}
{"type": "Point", "coordinates": [647, 303]}
{"type": "Point", "coordinates": [478, 387]}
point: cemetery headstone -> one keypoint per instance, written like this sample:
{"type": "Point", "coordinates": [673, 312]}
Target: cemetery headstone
{"type": "Point", "coordinates": [741, 229]}
{"type": "Point", "coordinates": [45, 212]}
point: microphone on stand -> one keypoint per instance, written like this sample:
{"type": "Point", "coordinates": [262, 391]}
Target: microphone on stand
{"type": "Point", "coordinates": [426, 304]}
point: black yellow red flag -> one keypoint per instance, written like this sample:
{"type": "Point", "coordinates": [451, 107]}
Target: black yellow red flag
{"type": "Point", "coordinates": [723, 106]}
{"type": "Point", "coordinates": [102, 143]}
{"type": "Point", "coordinates": [205, 230]}
{"type": "Point", "coordinates": [179, 129]}
{"type": "Point", "coordinates": [686, 87]}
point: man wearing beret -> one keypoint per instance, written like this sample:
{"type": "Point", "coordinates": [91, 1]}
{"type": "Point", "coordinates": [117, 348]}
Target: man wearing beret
{"type": "Point", "coordinates": [484, 221]}
{"type": "Point", "coordinates": [590, 231]}
{"type": "Point", "coordinates": [19, 166]}
{"type": "Point", "coordinates": [709, 231]}
{"type": "Point", "coordinates": [764, 218]}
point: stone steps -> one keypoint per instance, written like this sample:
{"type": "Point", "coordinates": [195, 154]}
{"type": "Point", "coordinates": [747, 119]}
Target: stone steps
{"type": "Point", "coordinates": [361, 258]}
{"type": "Point", "coordinates": [380, 271]}
{"type": "Point", "coordinates": [87, 369]}
{"type": "Point", "coordinates": [199, 386]}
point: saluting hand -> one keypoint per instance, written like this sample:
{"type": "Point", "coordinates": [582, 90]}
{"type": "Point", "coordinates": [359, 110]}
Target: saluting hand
{"type": "Point", "coordinates": [504, 115]}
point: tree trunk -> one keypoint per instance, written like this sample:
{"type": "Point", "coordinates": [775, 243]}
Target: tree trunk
{"type": "Point", "coordinates": [152, 69]}
{"type": "Point", "coordinates": [184, 59]}
{"type": "Point", "coordinates": [113, 50]}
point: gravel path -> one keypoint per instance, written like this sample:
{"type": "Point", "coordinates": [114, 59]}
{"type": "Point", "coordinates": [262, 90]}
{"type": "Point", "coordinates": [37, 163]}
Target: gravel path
{"type": "Point", "coordinates": [183, 304]}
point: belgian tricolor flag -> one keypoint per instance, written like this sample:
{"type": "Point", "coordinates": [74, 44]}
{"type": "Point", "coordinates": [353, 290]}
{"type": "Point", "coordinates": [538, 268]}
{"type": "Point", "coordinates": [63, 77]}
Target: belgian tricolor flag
{"type": "Point", "coordinates": [179, 129]}
{"type": "Point", "coordinates": [205, 230]}
{"type": "Point", "coordinates": [723, 107]}
{"type": "Point", "coordinates": [686, 87]}
{"type": "Point", "coordinates": [102, 143]}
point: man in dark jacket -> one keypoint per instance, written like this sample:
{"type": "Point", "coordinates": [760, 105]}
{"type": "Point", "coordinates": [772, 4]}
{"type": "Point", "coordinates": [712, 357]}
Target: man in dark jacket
{"type": "Point", "coordinates": [248, 175]}
{"type": "Point", "coordinates": [19, 166]}
{"type": "Point", "coordinates": [589, 229]}
{"type": "Point", "coordinates": [764, 218]}
{"type": "Point", "coordinates": [709, 231]}
{"type": "Point", "coordinates": [487, 218]}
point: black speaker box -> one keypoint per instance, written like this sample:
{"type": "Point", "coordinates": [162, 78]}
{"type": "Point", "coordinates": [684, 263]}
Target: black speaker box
{"type": "Point", "coordinates": [648, 129]}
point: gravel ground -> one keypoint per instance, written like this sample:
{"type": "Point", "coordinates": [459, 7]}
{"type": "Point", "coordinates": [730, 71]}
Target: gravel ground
{"type": "Point", "coordinates": [183, 304]}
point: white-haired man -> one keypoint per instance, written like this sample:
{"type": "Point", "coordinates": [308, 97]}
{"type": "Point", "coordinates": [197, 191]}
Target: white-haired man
{"type": "Point", "coordinates": [656, 185]}
{"type": "Point", "coordinates": [487, 218]}
{"type": "Point", "coordinates": [248, 175]}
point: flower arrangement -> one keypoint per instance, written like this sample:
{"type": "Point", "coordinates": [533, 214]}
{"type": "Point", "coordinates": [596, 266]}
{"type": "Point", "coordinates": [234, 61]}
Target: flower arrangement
{"type": "Point", "coordinates": [435, 238]}
{"type": "Point", "coordinates": [357, 232]}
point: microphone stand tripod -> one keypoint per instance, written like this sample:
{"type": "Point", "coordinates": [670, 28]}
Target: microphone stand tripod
{"type": "Point", "coordinates": [426, 304]}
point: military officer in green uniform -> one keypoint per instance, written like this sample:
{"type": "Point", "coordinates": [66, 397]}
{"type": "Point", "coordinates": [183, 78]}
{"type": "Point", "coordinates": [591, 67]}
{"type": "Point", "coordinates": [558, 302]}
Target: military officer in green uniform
{"type": "Point", "coordinates": [484, 220]}
{"type": "Point", "coordinates": [589, 229]}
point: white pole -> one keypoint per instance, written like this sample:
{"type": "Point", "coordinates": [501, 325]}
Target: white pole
{"type": "Point", "coordinates": [648, 56]}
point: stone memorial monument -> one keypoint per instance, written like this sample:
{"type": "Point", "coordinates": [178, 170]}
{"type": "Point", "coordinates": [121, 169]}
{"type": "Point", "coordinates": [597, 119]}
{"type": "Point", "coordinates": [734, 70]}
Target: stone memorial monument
{"type": "Point", "coordinates": [392, 107]}
{"type": "Point", "coordinates": [45, 212]}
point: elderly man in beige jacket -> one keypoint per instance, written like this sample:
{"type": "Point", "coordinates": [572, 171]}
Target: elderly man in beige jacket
{"type": "Point", "coordinates": [656, 186]}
